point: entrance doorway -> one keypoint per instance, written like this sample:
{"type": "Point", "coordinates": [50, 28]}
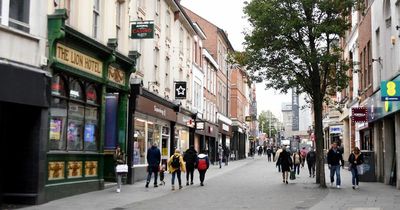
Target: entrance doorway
{"type": "Point", "coordinates": [20, 133]}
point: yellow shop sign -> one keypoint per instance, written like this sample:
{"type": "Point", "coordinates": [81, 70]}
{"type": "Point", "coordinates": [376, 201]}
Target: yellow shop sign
{"type": "Point", "coordinates": [78, 60]}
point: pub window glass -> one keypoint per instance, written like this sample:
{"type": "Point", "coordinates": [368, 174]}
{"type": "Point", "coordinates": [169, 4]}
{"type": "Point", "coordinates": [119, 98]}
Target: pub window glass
{"type": "Point", "coordinates": [91, 120]}
{"type": "Point", "coordinates": [58, 114]}
{"type": "Point", "coordinates": [76, 116]}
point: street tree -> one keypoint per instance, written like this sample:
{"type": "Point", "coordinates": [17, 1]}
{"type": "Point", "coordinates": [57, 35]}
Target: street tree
{"type": "Point", "coordinates": [267, 123]}
{"type": "Point", "coordinates": [294, 44]}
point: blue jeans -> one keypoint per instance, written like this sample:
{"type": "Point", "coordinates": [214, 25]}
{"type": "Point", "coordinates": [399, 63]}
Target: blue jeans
{"type": "Point", "coordinates": [354, 174]}
{"type": "Point", "coordinates": [152, 169]}
{"type": "Point", "coordinates": [335, 169]}
{"type": "Point", "coordinates": [178, 174]}
{"type": "Point", "coordinates": [296, 166]}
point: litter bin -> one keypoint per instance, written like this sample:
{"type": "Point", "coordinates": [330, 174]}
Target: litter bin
{"type": "Point", "coordinates": [369, 167]}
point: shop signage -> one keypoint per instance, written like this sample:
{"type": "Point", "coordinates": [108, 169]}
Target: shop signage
{"type": "Point", "coordinates": [116, 75]}
{"type": "Point", "coordinates": [200, 125]}
{"type": "Point", "coordinates": [390, 90]}
{"type": "Point", "coordinates": [359, 114]}
{"type": "Point", "coordinates": [147, 106]}
{"type": "Point", "coordinates": [159, 110]}
{"type": "Point", "coordinates": [142, 30]}
{"type": "Point", "coordinates": [336, 129]}
{"type": "Point", "coordinates": [180, 90]}
{"type": "Point", "coordinates": [248, 118]}
{"type": "Point", "coordinates": [78, 60]}
{"type": "Point", "coordinates": [225, 127]}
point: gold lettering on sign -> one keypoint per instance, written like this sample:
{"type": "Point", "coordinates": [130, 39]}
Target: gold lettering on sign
{"type": "Point", "coordinates": [78, 60]}
{"type": "Point", "coordinates": [116, 75]}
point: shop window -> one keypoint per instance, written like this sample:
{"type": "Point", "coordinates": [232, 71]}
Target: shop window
{"type": "Point", "coordinates": [74, 120]}
{"type": "Point", "coordinates": [139, 145]}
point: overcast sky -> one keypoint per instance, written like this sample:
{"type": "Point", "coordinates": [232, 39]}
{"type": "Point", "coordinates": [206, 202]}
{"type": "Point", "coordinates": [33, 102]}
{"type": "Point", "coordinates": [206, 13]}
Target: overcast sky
{"type": "Point", "coordinates": [228, 15]}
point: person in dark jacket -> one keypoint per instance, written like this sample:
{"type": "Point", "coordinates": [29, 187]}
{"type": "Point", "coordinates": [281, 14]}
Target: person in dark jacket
{"type": "Point", "coordinates": [286, 164]}
{"type": "Point", "coordinates": [269, 153]}
{"type": "Point", "coordinates": [202, 164]}
{"type": "Point", "coordinates": [190, 159]}
{"type": "Point", "coordinates": [227, 153]}
{"type": "Point", "coordinates": [356, 158]}
{"type": "Point", "coordinates": [335, 161]}
{"type": "Point", "coordinates": [311, 159]}
{"type": "Point", "coordinates": [153, 159]}
{"type": "Point", "coordinates": [119, 158]}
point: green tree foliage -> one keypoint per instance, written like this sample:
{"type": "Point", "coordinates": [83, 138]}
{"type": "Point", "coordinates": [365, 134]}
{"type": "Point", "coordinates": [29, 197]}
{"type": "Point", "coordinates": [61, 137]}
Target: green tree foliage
{"type": "Point", "coordinates": [295, 44]}
{"type": "Point", "coordinates": [267, 121]}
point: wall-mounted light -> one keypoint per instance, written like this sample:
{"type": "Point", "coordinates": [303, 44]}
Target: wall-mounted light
{"type": "Point", "coordinates": [379, 59]}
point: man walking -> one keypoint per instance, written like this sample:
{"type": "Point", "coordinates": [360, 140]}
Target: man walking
{"type": "Point", "coordinates": [190, 159]}
{"type": "Point", "coordinates": [335, 161]}
{"type": "Point", "coordinates": [226, 154]}
{"type": "Point", "coordinates": [153, 159]}
{"type": "Point", "coordinates": [269, 152]}
{"type": "Point", "coordinates": [311, 158]}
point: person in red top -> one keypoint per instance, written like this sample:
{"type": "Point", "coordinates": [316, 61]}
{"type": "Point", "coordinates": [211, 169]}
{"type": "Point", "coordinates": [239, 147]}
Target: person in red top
{"type": "Point", "coordinates": [202, 165]}
{"type": "Point", "coordinates": [303, 154]}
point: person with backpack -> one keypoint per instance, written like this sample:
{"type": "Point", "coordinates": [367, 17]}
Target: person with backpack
{"type": "Point", "coordinates": [153, 159]}
{"type": "Point", "coordinates": [296, 162]}
{"type": "Point", "coordinates": [176, 166]}
{"type": "Point", "coordinates": [190, 159]}
{"type": "Point", "coordinates": [311, 159]}
{"type": "Point", "coordinates": [203, 163]}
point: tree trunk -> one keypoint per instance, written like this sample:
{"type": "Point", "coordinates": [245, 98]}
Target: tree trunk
{"type": "Point", "coordinates": [319, 140]}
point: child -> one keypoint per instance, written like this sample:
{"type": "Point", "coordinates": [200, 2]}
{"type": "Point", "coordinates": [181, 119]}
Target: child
{"type": "Point", "coordinates": [162, 170]}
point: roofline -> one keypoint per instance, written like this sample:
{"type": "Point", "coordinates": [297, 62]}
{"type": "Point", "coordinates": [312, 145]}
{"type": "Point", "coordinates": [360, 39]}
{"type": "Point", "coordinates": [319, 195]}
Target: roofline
{"type": "Point", "coordinates": [225, 38]}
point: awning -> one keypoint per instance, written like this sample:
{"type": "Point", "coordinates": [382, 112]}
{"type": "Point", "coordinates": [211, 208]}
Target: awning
{"type": "Point", "coordinates": [24, 84]}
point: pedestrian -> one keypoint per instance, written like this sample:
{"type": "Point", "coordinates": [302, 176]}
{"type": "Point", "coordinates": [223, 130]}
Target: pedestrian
{"type": "Point", "coordinates": [162, 173]}
{"type": "Point", "coordinates": [176, 167]}
{"type": "Point", "coordinates": [278, 164]}
{"type": "Point", "coordinates": [269, 153]}
{"type": "Point", "coordinates": [273, 153]}
{"type": "Point", "coordinates": [190, 159]}
{"type": "Point", "coordinates": [226, 154]}
{"type": "Point", "coordinates": [335, 161]}
{"type": "Point", "coordinates": [311, 159]}
{"type": "Point", "coordinates": [303, 154]}
{"type": "Point", "coordinates": [260, 151]}
{"type": "Point", "coordinates": [119, 159]}
{"type": "Point", "coordinates": [355, 159]}
{"type": "Point", "coordinates": [153, 160]}
{"type": "Point", "coordinates": [220, 151]}
{"type": "Point", "coordinates": [286, 163]}
{"type": "Point", "coordinates": [296, 162]}
{"type": "Point", "coordinates": [203, 163]}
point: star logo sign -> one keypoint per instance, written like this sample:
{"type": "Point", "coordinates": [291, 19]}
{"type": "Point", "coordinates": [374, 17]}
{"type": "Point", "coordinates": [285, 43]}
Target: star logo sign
{"type": "Point", "coordinates": [180, 91]}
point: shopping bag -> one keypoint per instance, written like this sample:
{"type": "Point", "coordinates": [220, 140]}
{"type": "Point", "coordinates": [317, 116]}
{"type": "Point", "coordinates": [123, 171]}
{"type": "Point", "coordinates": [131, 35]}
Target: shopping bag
{"type": "Point", "coordinates": [292, 175]}
{"type": "Point", "coordinates": [122, 168]}
{"type": "Point", "coordinates": [360, 169]}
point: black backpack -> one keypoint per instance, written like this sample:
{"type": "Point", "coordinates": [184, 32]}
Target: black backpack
{"type": "Point", "coordinates": [175, 162]}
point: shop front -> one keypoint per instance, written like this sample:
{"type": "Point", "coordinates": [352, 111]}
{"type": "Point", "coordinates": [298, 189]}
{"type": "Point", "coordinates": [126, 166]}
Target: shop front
{"type": "Point", "coordinates": [225, 133]}
{"type": "Point", "coordinates": [80, 143]}
{"type": "Point", "coordinates": [238, 143]}
{"type": "Point", "coordinates": [153, 121]}
{"type": "Point", "coordinates": [184, 130]}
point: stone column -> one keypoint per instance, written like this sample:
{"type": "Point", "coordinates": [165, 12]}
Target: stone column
{"type": "Point", "coordinates": [388, 149]}
{"type": "Point", "coordinates": [377, 150]}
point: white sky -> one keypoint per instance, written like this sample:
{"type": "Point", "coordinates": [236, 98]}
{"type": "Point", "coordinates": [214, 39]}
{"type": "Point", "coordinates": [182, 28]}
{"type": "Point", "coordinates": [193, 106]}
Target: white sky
{"type": "Point", "coordinates": [228, 15]}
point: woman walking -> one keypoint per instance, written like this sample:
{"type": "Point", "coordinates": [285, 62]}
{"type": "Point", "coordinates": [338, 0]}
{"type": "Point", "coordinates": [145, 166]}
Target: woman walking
{"type": "Point", "coordinates": [176, 166]}
{"type": "Point", "coordinates": [202, 165]}
{"type": "Point", "coordinates": [286, 164]}
{"type": "Point", "coordinates": [355, 159]}
{"type": "Point", "coordinates": [119, 159]}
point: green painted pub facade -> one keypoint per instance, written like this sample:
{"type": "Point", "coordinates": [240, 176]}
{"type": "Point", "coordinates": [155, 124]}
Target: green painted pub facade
{"type": "Point", "coordinates": [84, 74]}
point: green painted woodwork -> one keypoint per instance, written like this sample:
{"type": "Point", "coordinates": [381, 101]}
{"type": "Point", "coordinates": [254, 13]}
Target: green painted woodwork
{"type": "Point", "coordinates": [122, 123]}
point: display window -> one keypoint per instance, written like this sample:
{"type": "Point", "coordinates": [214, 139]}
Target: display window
{"type": "Point", "coordinates": [74, 116]}
{"type": "Point", "coordinates": [139, 145]}
{"type": "Point", "coordinates": [182, 138]}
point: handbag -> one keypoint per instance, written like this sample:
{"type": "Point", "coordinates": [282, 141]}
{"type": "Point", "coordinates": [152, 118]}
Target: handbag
{"type": "Point", "coordinates": [122, 168]}
{"type": "Point", "coordinates": [360, 169]}
{"type": "Point", "coordinates": [292, 175]}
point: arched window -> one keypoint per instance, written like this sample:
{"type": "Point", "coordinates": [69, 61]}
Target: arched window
{"type": "Point", "coordinates": [74, 115]}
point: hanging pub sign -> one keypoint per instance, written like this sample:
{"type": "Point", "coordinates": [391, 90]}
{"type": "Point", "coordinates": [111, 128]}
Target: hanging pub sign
{"type": "Point", "coordinates": [180, 90]}
{"type": "Point", "coordinates": [142, 30]}
{"type": "Point", "coordinates": [390, 90]}
{"type": "Point", "coordinates": [359, 114]}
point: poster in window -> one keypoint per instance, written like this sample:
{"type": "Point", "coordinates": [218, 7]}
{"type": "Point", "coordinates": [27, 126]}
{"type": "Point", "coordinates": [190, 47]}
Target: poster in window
{"type": "Point", "coordinates": [55, 129]}
{"type": "Point", "coordinates": [72, 131]}
{"type": "Point", "coordinates": [89, 132]}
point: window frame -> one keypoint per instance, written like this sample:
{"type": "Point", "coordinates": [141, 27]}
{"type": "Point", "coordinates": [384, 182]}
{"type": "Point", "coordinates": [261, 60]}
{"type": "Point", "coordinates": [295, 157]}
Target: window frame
{"type": "Point", "coordinates": [5, 18]}
{"type": "Point", "coordinates": [96, 18]}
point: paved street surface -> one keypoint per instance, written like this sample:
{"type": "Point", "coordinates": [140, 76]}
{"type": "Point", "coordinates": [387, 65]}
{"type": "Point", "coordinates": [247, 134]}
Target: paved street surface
{"type": "Point", "coordinates": [245, 184]}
